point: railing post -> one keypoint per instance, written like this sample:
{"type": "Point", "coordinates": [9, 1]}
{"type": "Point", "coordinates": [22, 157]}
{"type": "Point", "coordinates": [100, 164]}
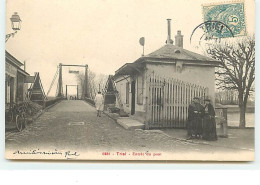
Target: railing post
{"type": "Point", "coordinates": [77, 92]}
{"type": "Point", "coordinates": [44, 104]}
{"type": "Point", "coordinates": [66, 96]}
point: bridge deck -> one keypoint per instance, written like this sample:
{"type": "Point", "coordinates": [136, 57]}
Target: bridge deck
{"type": "Point", "coordinates": [72, 106]}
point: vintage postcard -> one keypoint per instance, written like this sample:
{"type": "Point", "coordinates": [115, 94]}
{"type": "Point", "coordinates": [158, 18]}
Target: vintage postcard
{"type": "Point", "coordinates": [130, 80]}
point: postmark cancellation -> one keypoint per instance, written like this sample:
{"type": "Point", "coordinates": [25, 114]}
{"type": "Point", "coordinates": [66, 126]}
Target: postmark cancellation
{"type": "Point", "coordinates": [231, 14]}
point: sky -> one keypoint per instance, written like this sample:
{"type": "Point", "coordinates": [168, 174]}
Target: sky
{"type": "Point", "coordinates": [101, 33]}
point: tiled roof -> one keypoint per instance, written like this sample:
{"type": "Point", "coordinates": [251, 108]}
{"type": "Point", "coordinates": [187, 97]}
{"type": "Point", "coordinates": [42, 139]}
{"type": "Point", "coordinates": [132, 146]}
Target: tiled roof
{"type": "Point", "coordinates": [12, 59]}
{"type": "Point", "coordinates": [170, 51]}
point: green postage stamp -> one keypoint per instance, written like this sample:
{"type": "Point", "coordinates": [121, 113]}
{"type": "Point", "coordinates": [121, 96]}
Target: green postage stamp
{"type": "Point", "coordinates": [230, 14]}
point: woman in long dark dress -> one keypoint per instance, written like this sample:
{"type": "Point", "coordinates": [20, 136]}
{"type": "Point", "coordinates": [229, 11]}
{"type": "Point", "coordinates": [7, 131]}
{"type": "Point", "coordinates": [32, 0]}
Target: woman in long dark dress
{"type": "Point", "coordinates": [209, 123]}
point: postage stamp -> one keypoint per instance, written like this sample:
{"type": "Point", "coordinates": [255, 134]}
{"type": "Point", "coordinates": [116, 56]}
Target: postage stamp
{"type": "Point", "coordinates": [231, 14]}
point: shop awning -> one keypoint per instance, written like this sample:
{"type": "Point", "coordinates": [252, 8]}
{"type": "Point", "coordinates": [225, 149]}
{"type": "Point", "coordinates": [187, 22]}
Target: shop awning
{"type": "Point", "coordinates": [19, 70]}
{"type": "Point", "coordinates": [29, 79]}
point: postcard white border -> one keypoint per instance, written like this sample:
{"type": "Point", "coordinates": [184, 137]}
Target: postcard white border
{"type": "Point", "coordinates": [87, 165]}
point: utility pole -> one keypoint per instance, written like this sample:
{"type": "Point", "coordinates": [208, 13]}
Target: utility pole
{"type": "Point", "coordinates": [24, 65]}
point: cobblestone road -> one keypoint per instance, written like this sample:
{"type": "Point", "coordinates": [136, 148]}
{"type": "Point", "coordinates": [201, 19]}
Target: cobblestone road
{"type": "Point", "coordinates": [74, 125]}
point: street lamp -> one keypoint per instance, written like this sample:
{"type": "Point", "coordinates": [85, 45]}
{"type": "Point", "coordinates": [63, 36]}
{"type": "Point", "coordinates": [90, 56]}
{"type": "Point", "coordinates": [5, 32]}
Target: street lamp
{"type": "Point", "coordinates": [16, 25]}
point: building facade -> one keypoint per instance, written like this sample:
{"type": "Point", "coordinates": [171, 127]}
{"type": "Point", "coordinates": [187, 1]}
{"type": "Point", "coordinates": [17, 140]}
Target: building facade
{"type": "Point", "coordinates": [157, 88]}
{"type": "Point", "coordinates": [16, 86]}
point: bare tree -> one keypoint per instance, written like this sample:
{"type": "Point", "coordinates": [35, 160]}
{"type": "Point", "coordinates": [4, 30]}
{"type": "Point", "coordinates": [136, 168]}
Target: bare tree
{"type": "Point", "coordinates": [95, 83]}
{"type": "Point", "coordinates": [80, 79]}
{"type": "Point", "coordinates": [237, 70]}
{"type": "Point", "coordinates": [101, 82]}
{"type": "Point", "coordinates": [92, 84]}
{"type": "Point", "coordinates": [227, 97]}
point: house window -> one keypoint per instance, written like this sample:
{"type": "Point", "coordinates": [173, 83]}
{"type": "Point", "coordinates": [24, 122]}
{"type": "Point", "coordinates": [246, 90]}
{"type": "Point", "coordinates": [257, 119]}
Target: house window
{"type": "Point", "coordinates": [127, 93]}
{"type": "Point", "coordinates": [140, 87]}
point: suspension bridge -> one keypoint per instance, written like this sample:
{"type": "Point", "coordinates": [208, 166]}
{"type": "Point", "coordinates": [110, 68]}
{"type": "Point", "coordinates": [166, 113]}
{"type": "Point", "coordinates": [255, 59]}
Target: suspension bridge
{"type": "Point", "coordinates": [59, 75]}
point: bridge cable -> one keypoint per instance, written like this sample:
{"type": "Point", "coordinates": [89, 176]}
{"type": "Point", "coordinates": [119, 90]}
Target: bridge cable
{"type": "Point", "coordinates": [55, 76]}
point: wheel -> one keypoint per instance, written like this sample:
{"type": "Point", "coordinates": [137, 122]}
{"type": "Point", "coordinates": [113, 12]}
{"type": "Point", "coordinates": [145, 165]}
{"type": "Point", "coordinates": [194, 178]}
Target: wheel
{"type": "Point", "coordinates": [9, 116]}
{"type": "Point", "coordinates": [20, 122]}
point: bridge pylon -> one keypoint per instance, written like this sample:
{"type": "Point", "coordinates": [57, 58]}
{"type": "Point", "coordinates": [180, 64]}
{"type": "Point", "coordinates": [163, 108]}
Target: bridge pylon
{"type": "Point", "coordinates": [60, 90]}
{"type": "Point", "coordinates": [86, 89]}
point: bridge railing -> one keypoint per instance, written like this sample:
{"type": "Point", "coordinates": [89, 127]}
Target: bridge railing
{"type": "Point", "coordinates": [90, 101]}
{"type": "Point", "coordinates": [51, 102]}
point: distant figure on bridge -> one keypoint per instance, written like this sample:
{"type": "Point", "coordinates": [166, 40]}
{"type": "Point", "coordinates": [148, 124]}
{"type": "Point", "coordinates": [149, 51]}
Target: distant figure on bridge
{"type": "Point", "coordinates": [99, 103]}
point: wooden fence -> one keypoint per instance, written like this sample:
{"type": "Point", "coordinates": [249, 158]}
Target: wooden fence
{"type": "Point", "coordinates": [168, 101]}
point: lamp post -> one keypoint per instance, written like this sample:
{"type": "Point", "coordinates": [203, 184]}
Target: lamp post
{"type": "Point", "coordinates": [16, 25]}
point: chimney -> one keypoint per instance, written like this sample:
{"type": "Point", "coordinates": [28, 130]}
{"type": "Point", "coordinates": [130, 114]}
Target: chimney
{"type": "Point", "coordinates": [169, 40]}
{"type": "Point", "coordinates": [179, 39]}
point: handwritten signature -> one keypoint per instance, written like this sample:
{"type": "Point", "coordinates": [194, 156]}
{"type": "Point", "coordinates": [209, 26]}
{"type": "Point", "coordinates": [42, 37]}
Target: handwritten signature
{"type": "Point", "coordinates": [68, 154]}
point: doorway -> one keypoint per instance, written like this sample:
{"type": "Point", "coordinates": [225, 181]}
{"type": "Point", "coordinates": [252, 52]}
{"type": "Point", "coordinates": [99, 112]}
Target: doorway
{"type": "Point", "coordinates": [133, 97]}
